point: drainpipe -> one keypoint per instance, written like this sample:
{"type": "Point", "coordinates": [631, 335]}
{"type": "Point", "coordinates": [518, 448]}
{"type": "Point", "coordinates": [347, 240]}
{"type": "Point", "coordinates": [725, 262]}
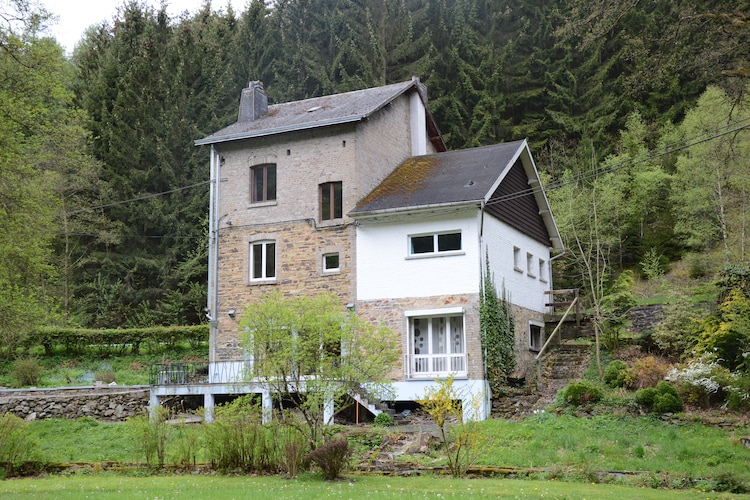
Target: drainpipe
{"type": "Point", "coordinates": [213, 254]}
{"type": "Point", "coordinates": [212, 302]}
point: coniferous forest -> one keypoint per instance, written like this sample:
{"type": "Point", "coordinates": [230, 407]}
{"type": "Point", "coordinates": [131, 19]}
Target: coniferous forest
{"type": "Point", "coordinates": [637, 114]}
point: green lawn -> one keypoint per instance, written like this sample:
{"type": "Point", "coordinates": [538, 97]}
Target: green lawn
{"type": "Point", "coordinates": [104, 486]}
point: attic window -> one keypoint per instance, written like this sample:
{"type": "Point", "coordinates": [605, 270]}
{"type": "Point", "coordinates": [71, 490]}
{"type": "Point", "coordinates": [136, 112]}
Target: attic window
{"type": "Point", "coordinates": [314, 108]}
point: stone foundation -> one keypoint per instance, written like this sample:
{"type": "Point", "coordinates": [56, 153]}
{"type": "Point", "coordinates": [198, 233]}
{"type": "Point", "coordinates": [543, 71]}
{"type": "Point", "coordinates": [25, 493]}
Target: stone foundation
{"type": "Point", "coordinates": [114, 404]}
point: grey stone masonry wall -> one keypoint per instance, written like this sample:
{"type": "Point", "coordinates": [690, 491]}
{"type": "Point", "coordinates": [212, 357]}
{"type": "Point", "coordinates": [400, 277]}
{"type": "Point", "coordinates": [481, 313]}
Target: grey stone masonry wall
{"type": "Point", "coordinates": [102, 403]}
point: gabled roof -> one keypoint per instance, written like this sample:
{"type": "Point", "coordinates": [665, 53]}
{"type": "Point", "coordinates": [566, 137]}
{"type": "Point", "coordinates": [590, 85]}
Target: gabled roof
{"type": "Point", "coordinates": [481, 176]}
{"type": "Point", "coordinates": [337, 109]}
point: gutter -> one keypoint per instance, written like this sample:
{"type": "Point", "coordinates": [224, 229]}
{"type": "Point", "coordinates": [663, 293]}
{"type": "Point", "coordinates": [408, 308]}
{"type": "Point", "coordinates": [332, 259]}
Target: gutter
{"type": "Point", "coordinates": [279, 130]}
{"type": "Point", "coordinates": [408, 210]}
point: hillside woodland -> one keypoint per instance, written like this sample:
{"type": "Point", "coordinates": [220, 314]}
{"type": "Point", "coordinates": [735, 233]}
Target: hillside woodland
{"type": "Point", "coordinates": [637, 113]}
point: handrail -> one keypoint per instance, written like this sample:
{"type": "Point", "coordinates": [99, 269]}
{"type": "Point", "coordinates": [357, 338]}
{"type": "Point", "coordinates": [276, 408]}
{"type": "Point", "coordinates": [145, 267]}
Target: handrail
{"type": "Point", "coordinates": [557, 329]}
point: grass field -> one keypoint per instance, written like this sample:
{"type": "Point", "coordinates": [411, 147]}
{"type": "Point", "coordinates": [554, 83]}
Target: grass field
{"type": "Point", "coordinates": [104, 486]}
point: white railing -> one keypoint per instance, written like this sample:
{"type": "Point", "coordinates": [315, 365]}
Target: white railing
{"type": "Point", "coordinates": [435, 365]}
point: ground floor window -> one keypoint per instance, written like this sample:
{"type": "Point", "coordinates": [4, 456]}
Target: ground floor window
{"type": "Point", "coordinates": [438, 345]}
{"type": "Point", "coordinates": [262, 260]}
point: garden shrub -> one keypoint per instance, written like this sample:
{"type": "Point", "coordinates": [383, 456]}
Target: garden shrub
{"type": "Point", "coordinates": [660, 399]}
{"type": "Point", "coordinates": [106, 376]}
{"type": "Point", "coordinates": [293, 454]}
{"type": "Point", "coordinates": [149, 434]}
{"type": "Point", "coordinates": [646, 372]}
{"type": "Point", "coordinates": [702, 381]}
{"type": "Point", "coordinates": [677, 333]}
{"type": "Point", "coordinates": [332, 458]}
{"type": "Point", "coordinates": [16, 445]}
{"type": "Point", "coordinates": [615, 374]}
{"type": "Point", "coordinates": [738, 393]}
{"type": "Point", "coordinates": [667, 403]}
{"type": "Point", "coordinates": [383, 420]}
{"type": "Point", "coordinates": [581, 393]}
{"type": "Point", "coordinates": [237, 439]}
{"type": "Point", "coordinates": [27, 372]}
{"type": "Point", "coordinates": [645, 397]}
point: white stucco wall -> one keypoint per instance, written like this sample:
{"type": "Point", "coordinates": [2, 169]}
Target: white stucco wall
{"type": "Point", "coordinates": [526, 288]}
{"type": "Point", "coordinates": [385, 269]}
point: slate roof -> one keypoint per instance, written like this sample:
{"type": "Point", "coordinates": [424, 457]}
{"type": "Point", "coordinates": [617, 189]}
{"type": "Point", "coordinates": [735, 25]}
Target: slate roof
{"type": "Point", "coordinates": [461, 176]}
{"type": "Point", "coordinates": [323, 111]}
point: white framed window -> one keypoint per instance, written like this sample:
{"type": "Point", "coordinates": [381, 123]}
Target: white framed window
{"type": "Point", "coordinates": [517, 259]}
{"type": "Point", "coordinates": [331, 263]}
{"type": "Point", "coordinates": [448, 242]}
{"type": "Point", "coordinates": [263, 260]}
{"type": "Point", "coordinates": [536, 337]}
{"type": "Point", "coordinates": [437, 345]}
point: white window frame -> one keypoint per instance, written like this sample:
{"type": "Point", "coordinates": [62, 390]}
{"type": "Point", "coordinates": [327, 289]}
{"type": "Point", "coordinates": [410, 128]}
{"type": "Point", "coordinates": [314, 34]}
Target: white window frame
{"type": "Point", "coordinates": [435, 245]}
{"type": "Point", "coordinates": [264, 278]}
{"type": "Point", "coordinates": [331, 270]}
{"type": "Point", "coordinates": [434, 363]}
{"type": "Point", "coordinates": [543, 270]}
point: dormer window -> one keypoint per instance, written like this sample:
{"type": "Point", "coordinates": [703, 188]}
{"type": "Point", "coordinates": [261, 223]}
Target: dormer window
{"type": "Point", "coordinates": [263, 183]}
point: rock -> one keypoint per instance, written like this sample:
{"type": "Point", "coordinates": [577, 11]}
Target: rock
{"type": "Point", "coordinates": [420, 444]}
{"type": "Point", "coordinates": [30, 417]}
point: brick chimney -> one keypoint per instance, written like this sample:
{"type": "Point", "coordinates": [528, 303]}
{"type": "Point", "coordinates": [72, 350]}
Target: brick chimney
{"type": "Point", "coordinates": [253, 103]}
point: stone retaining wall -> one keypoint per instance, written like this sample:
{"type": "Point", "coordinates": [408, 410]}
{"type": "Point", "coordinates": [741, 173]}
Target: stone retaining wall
{"type": "Point", "coordinates": [102, 403]}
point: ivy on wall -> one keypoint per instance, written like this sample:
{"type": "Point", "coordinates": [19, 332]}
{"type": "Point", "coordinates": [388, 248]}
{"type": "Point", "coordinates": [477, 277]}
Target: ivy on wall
{"type": "Point", "coordinates": [497, 331]}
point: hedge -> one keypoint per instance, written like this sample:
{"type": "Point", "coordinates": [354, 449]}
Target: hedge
{"type": "Point", "coordinates": [78, 339]}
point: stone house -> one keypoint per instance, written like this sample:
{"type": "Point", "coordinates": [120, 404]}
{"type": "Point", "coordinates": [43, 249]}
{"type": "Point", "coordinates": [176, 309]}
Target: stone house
{"type": "Point", "coordinates": [355, 193]}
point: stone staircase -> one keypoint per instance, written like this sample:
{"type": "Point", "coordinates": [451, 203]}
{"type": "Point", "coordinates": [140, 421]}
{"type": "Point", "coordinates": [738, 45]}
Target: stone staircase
{"type": "Point", "coordinates": [561, 365]}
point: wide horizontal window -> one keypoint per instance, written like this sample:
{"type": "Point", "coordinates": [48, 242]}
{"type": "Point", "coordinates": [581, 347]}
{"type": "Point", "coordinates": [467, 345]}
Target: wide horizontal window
{"type": "Point", "coordinates": [435, 243]}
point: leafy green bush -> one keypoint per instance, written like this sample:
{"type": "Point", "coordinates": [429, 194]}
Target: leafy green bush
{"type": "Point", "coordinates": [615, 373]}
{"type": "Point", "coordinates": [16, 446]}
{"type": "Point", "coordinates": [581, 393]}
{"type": "Point", "coordinates": [660, 399]}
{"type": "Point", "coordinates": [27, 372]}
{"type": "Point", "coordinates": [645, 397]}
{"type": "Point", "coordinates": [738, 397]}
{"type": "Point", "coordinates": [677, 334]}
{"type": "Point", "coordinates": [667, 403]}
{"type": "Point", "coordinates": [383, 420]}
{"type": "Point", "coordinates": [332, 458]}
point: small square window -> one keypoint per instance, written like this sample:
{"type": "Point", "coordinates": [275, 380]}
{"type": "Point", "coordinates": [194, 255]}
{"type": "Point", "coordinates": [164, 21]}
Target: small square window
{"type": "Point", "coordinates": [331, 262]}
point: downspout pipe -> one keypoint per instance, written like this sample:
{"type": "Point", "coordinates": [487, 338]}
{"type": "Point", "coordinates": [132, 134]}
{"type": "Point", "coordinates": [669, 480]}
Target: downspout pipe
{"type": "Point", "coordinates": [213, 253]}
